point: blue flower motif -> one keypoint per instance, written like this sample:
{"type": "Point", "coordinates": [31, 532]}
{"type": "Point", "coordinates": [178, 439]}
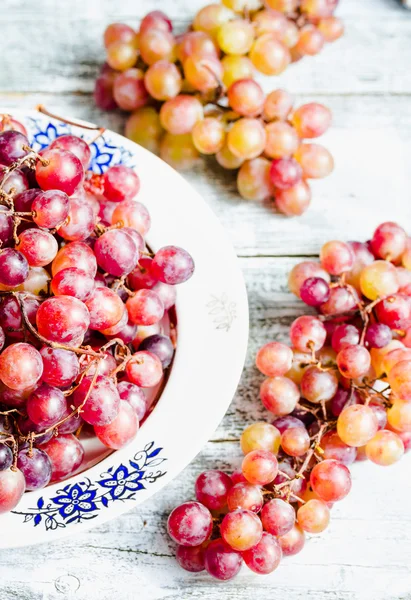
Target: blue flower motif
{"type": "Point", "coordinates": [75, 500]}
{"type": "Point", "coordinates": [122, 481]}
{"type": "Point", "coordinates": [45, 135]}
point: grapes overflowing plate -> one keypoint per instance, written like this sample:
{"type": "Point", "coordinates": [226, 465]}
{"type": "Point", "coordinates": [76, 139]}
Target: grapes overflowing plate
{"type": "Point", "coordinates": [207, 324]}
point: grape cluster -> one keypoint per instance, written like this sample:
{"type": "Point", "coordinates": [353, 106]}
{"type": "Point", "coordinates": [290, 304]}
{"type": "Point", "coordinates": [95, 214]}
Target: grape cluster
{"type": "Point", "coordinates": [341, 393]}
{"type": "Point", "coordinates": [196, 93]}
{"type": "Point", "coordinates": [83, 308]}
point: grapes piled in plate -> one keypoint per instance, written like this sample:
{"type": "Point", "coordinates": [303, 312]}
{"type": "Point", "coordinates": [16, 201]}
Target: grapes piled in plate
{"type": "Point", "coordinates": [196, 93]}
{"type": "Point", "coordinates": [84, 308]}
{"type": "Point", "coordinates": [339, 393]}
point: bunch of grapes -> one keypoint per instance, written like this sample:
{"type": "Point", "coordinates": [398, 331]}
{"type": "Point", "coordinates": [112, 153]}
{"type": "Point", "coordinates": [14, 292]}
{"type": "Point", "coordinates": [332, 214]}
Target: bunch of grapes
{"type": "Point", "coordinates": [195, 93]}
{"type": "Point", "coordinates": [83, 308]}
{"type": "Point", "coordinates": [341, 393]}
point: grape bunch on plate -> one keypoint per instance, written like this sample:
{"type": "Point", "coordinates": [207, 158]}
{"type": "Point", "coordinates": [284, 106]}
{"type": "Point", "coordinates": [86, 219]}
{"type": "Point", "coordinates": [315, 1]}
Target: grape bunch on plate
{"type": "Point", "coordinates": [341, 393]}
{"type": "Point", "coordinates": [82, 305]}
{"type": "Point", "coordinates": [196, 93]}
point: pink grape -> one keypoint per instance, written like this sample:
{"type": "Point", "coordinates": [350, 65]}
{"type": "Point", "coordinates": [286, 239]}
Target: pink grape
{"type": "Point", "coordinates": [116, 252]}
{"type": "Point", "coordinates": [179, 115]}
{"type": "Point", "coordinates": [191, 558]}
{"type": "Point", "coordinates": [63, 319]}
{"type": "Point", "coordinates": [63, 172]}
{"type": "Point", "coordinates": [221, 561]}
{"type": "Point", "coordinates": [12, 488]}
{"type": "Point", "coordinates": [12, 146]}
{"type": "Point", "coordinates": [211, 489]}
{"type": "Point", "coordinates": [295, 441]}
{"type": "Point", "coordinates": [14, 268]}
{"type": "Point", "coordinates": [60, 367]}
{"type": "Point", "coordinates": [72, 282]}
{"type": "Point", "coordinates": [144, 369]}
{"type": "Point", "coordinates": [285, 173]}
{"type": "Point", "coordinates": [21, 366]}
{"type": "Point", "coordinates": [120, 183]}
{"type": "Point", "coordinates": [46, 405]}
{"type": "Point", "coordinates": [260, 467]}
{"type": "Point", "coordinates": [292, 542]}
{"type": "Point", "coordinates": [76, 145]}
{"type": "Point", "coordinates": [331, 480]}
{"type": "Point", "coordinates": [311, 120]}
{"type": "Point", "coordinates": [190, 524]}
{"type": "Point", "coordinates": [132, 214]}
{"type": "Point", "coordinates": [129, 90]}
{"type": "Point", "coordinates": [277, 105]}
{"type": "Point", "coordinates": [337, 257]}
{"type": "Point", "coordinates": [307, 333]}
{"type": "Point", "coordinates": [121, 430]}
{"type": "Point", "coordinates": [101, 398]}
{"type": "Point", "coordinates": [36, 468]}
{"type": "Point", "coordinates": [345, 335]}
{"type": "Point", "coordinates": [389, 241]}
{"type": "Point", "coordinates": [75, 254]}
{"type": "Point", "coordinates": [315, 291]}
{"type": "Point", "coordinates": [336, 449]}
{"type": "Point", "coordinates": [246, 496]}
{"type": "Point", "coordinates": [105, 308]}
{"type": "Point", "coordinates": [274, 359]}
{"type": "Point", "coordinates": [156, 19]}
{"type": "Point", "coordinates": [284, 423]}
{"type": "Point", "coordinates": [246, 97]}
{"type": "Point", "coordinates": [394, 311]}
{"type": "Point", "coordinates": [385, 448]}
{"type": "Point", "coordinates": [80, 221]}
{"type": "Point", "coordinates": [145, 307]}
{"type": "Point", "coordinates": [279, 395]}
{"type": "Point", "coordinates": [172, 265]}
{"type": "Point", "coordinates": [66, 455]}
{"type": "Point", "coordinates": [313, 516]}
{"type": "Point", "coordinates": [241, 529]}
{"type": "Point", "coordinates": [278, 517]}
{"type": "Point", "coordinates": [265, 556]}
{"type": "Point", "coordinates": [39, 247]}
{"type": "Point", "coordinates": [353, 361]}
{"type": "Point", "coordinates": [341, 300]}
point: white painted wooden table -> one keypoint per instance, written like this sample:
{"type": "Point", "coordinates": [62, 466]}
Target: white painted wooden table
{"type": "Point", "coordinates": [50, 54]}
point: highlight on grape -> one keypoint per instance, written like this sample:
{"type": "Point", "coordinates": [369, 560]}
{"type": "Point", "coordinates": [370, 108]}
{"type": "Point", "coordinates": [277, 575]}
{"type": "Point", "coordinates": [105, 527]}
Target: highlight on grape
{"type": "Point", "coordinates": [195, 93]}
{"type": "Point", "coordinates": [82, 307]}
{"type": "Point", "coordinates": [339, 393]}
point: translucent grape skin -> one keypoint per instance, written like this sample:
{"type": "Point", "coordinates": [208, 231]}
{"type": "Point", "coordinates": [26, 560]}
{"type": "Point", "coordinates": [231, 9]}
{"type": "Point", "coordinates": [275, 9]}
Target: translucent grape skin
{"type": "Point", "coordinates": [39, 247]}
{"type": "Point", "coordinates": [292, 542]}
{"type": "Point", "coordinates": [211, 489]}
{"type": "Point", "coordinates": [76, 145]}
{"type": "Point", "coordinates": [307, 333]}
{"type": "Point", "coordinates": [260, 436]}
{"type": "Point", "coordinates": [144, 369]}
{"type": "Point", "coordinates": [75, 254]}
{"type": "Point", "coordinates": [246, 97]}
{"type": "Point", "coordinates": [36, 468]}
{"type": "Point", "coordinates": [279, 395]}
{"type": "Point", "coordinates": [14, 268]}
{"type": "Point", "coordinates": [285, 173]}
{"type": "Point", "coordinates": [241, 529]}
{"type": "Point", "coordinates": [191, 558]}
{"type": "Point", "coordinates": [246, 496]}
{"type": "Point", "coordinates": [179, 115]}
{"type": "Point", "coordinates": [265, 556]}
{"type": "Point", "coordinates": [274, 359]}
{"type": "Point", "coordinates": [313, 516]}
{"type": "Point", "coordinates": [63, 319]}
{"type": "Point", "coordinates": [353, 361]}
{"type": "Point", "coordinates": [295, 441]}
{"type": "Point", "coordinates": [60, 367]}
{"type": "Point", "coordinates": [145, 307]}
{"type": "Point", "coordinates": [172, 265]}
{"type": "Point", "coordinates": [190, 524]}
{"type": "Point", "coordinates": [12, 146]}
{"type": "Point", "coordinates": [357, 425]}
{"type": "Point", "coordinates": [331, 480]}
{"type": "Point", "coordinates": [46, 405]}
{"type": "Point", "coordinates": [161, 346]}
{"type": "Point", "coordinates": [105, 308]}
{"type": "Point", "coordinates": [99, 399]}
{"type": "Point", "coordinates": [385, 448]}
{"type": "Point", "coordinates": [277, 517]}
{"type": "Point", "coordinates": [72, 282]}
{"type": "Point", "coordinates": [116, 252]}
{"type": "Point", "coordinates": [66, 454]}
{"type": "Point", "coordinates": [208, 135]}
{"type": "Point", "coordinates": [21, 366]}
{"type": "Point", "coordinates": [315, 291]}
{"type": "Point", "coordinates": [260, 467]}
{"type": "Point", "coordinates": [121, 430]}
{"type": "Point", "coordinates": [120, 183]}
{"type": "Point", "coordinates": [221, 561]}
{"type": "Point", "coordinates": [254, 181]}
{"type": "Point", "coordinates": [247, 138]}
{"type": "Point", "coordinates": [63, 171]}
{"type": "Point", "coordinates": [12, 488]}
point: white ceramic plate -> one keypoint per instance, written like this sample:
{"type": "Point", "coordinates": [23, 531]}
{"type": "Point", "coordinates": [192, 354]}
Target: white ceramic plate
{"type": "Point", "coordinates": [212, 314]}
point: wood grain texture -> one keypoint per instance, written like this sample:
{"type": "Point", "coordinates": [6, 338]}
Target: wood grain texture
{"type": "Point", "coordinates": [51, 53]}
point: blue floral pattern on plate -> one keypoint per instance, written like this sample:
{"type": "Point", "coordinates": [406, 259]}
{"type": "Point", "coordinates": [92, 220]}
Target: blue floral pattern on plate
{"type": "Point", "coordinates": [104, 154]}
{"type": "Point", "coordinates": [78, 502]}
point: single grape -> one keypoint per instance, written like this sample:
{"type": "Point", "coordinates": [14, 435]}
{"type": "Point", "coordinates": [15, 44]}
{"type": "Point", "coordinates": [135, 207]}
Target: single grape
{"type": "Point", "coordinates": [63, 171]}
{"type": "Point", "coordinates": [295, 441]}
{"type": "Point", "coordinates": [76, 145]}
{"type": "Point", "coordinates": [260, 436]}
{"type": "Point", "coordinates": [282, 140]}
{"type": "Point", "coordinates": [14, 268]}
{"type": "Point", "coordinates": [196, 43]}
{"type": "Point", "coordinates": [265, 557]}
{"type": "Point", "coordinates": [337, 257]}
{"type": "Point", "coordinates": [203, 73]}
{"type": "Point", "coordinates": [357, 425]}
{"type": "Point", "coordinates": [129, 90]}
{"type": "Point", "coordinates": [80, 222]}
{"type": "Point", "coordinates": [385, 448]}
{"type": "Point", "coordinates": [60, 367]}
{"type": "Point", "coordinates": [246, 139]}
{"type": "Point", "coordinates": [144, 369]}
{"type": "Point", "coordinates": [121, 430]}
{"type": "Point", "coordinates": [72, 282]}
{"type": "Point", "coordinates": [156, 19]}
{"type": "Point", "coordinates": [190, 524]}
{"type": "Point", "coordinates": [269, 55]}
{"type": "Point", "coordinates": [246, 496]}
{"type": "Point", "coordinates": [279, 395]}
{"type": "Point", "coordinates": [221, 561]}
{"type": "Point", "coordinates": [161, 346]}
{"type": "Point", "coordinates": [6, 456]}
{"type": "Point", "coordinates": [210, 18]}
{"type": "Point", "coordinates": [379, 279]}
{"type": "Point", "coordinates": [8, 123]}
{"type": "Point", "coordinates": [14, 183]}
{"type": "Point", "coordinates": [313, 516]}
{"type": "Point", "coordinates": [285, 173]}
{"type": "Point", "coordinates": [66, 455]}
{"type": "Point", "coordinates": [241, 529]}
{"type": "Point", "coordinates": [394, 311]}
{"type": "Point", "coordinates": [122, 55]}
{"type": "Point", "coordinates": [311, 120]}
{"type": "Point", "coordinates": [310, 42]}
{"type": "Point", "coordinates": [334, 448]}
{"type": "Point", "coordinates": [341, 300]}
{"type": "Point", "coordinates": [63, 319]}
{"type": "Point", "coordinates": [307, 333]}
{"type": "Point", "coordinates": [21, 366]}
{"type": "Point", "coordinates": [132, 214]}
{"type": "Point", "coordinates": [399, 416]}
{"type": "Point", "coordinates": [36, 468]}
{"type": "Point", "coordinates": [235, 37]}
{"type": "Point", "coordinates": [315, 160]}
{"type": "Point", "coordinates": [284, 423]}
{"type": "Point", "coordinates": [143, 127]}
{"type": "Point", "coordinates": [274, 359]}
{"type": "Point", "coordinates": [145, 307]}
{"type": "Point", "coordinates": [260, 467]}
{"type": "Point", "coordinates": [246, 97]}
{"type": "Point", "coordinates": [236, 68]}
{"type": "Point", "coordinates": [105, 308]}
{"type": "Point", "coordinates": [191, 558]}
{"type": "Point", "coordinates": [75, 254]}
{"type": "Point", "coordinates": [12, 144]}
{"type": "Point", "coordinates": [99, 400]}
{"type": "Point", "coordinates": [157, 45]}
{"type": "Point", "coordinates": [172, 265]}
{"type": "Point", "coordinates": [120, 183]}
{"type": "Point", "coordinates": [278, 517]}
{"type": "Point", "coordinates": [179, 115]}
{"type": "Point", "coordinates": [254, 181]}
{"type": "Point", "coordinates": [12, 487]}
{"type": "Point", "coordinates": [295, 200]}
{"type": "Point", "coordinates": [331, 480]}
{"type": "Point", "coordinates": [209, 135]}
{"type": "Point", "coordinates": [353, 361]}
{"type": "Point", "coordinates": [211, 489]}
{"type": "Point", "coordinates": [39, 247]}
{"type": "Point", "coordinates": [332, 28]}
{"type": "Point", "coordinates": [292, 542]}
{"type": "Point", "coordinates": [119, 32]}
{"type": "Point", "coordinates": [179, 151]}
{"type": "Point", "coordinates": [46, 405]}
{"type": "Point", "coordinates": [399, 379]}
{"type": "Point", "coordinates": [228, 160]}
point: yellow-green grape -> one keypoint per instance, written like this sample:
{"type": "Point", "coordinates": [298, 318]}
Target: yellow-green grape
{"type": "Point", "coordinates": [242, 5]}
{"type": "Point", "coordinates": [332, 28]}
{"type": "Point", "coordinates": [246, 98]}
{"type": "Point", "coordinates": [156, 44]}
{"type": "Point", "coordinates": [399, 415]}
{"type": "Point", "coordinates": [204, 73]}
{"type": "Point", "coordinates": [282, 140]}
{"type": "Point", "coordinates": [210, 18]}
{"type": "Point", "coordinates": [260, 436]}
{"type": "Point", "coordinates": [144, 128]}
{"type": "Point", "coordinates": [310, 41]}
{"type": "Point", "coordinates": [379, 279]}
{"type": "Point", "coordinates": [315, 160]}
{"type": "Point", "coordinates": [278, 105]}
{"type": "Point", "coordinates": [121, 56]}
{"type": "Point", "coordinates": [290, 35]}
{"type": "Point", "coordinates": [301, 361]}
{"type": "Point", "coordinates": [37, 282]}
{"type": "Point", "coordinates": [209, 135]}
{"type": "Point", "coordinates": [385, 448]}
{"type": "Point", "coordinates": [246, 138]}
{"type": "Point", "coordinates": [236, 37]}
{"type": "Point", "coordinates": [269, 55]}
{"type": "Point", "coordinates": [119, 32]}
{"type": "Point", "coordinates": [378, 356]}
{"type": "Point", "coordinates": [269, 21]}
{"type": "Point", "coordinates": [227, 159]}
{"type": "Point", "coordinates": [285, 6]}
{"type": "Point", "coordinates": [179, 115]}
{"type": "Point", "coordinates": [253, 179]}
{"type": "Point", "coordinates": [235, 68]}
{"type": "Point", "coordinates": [179, 151]}
{"type": "Point", "coordinates": [357, 425]}
{"type": "Point", "coordinates": [313, 516]}
{"type": "Point", "coordinates": [163, 80]}
{"type": "Point", "coordinates": [294, 201]}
